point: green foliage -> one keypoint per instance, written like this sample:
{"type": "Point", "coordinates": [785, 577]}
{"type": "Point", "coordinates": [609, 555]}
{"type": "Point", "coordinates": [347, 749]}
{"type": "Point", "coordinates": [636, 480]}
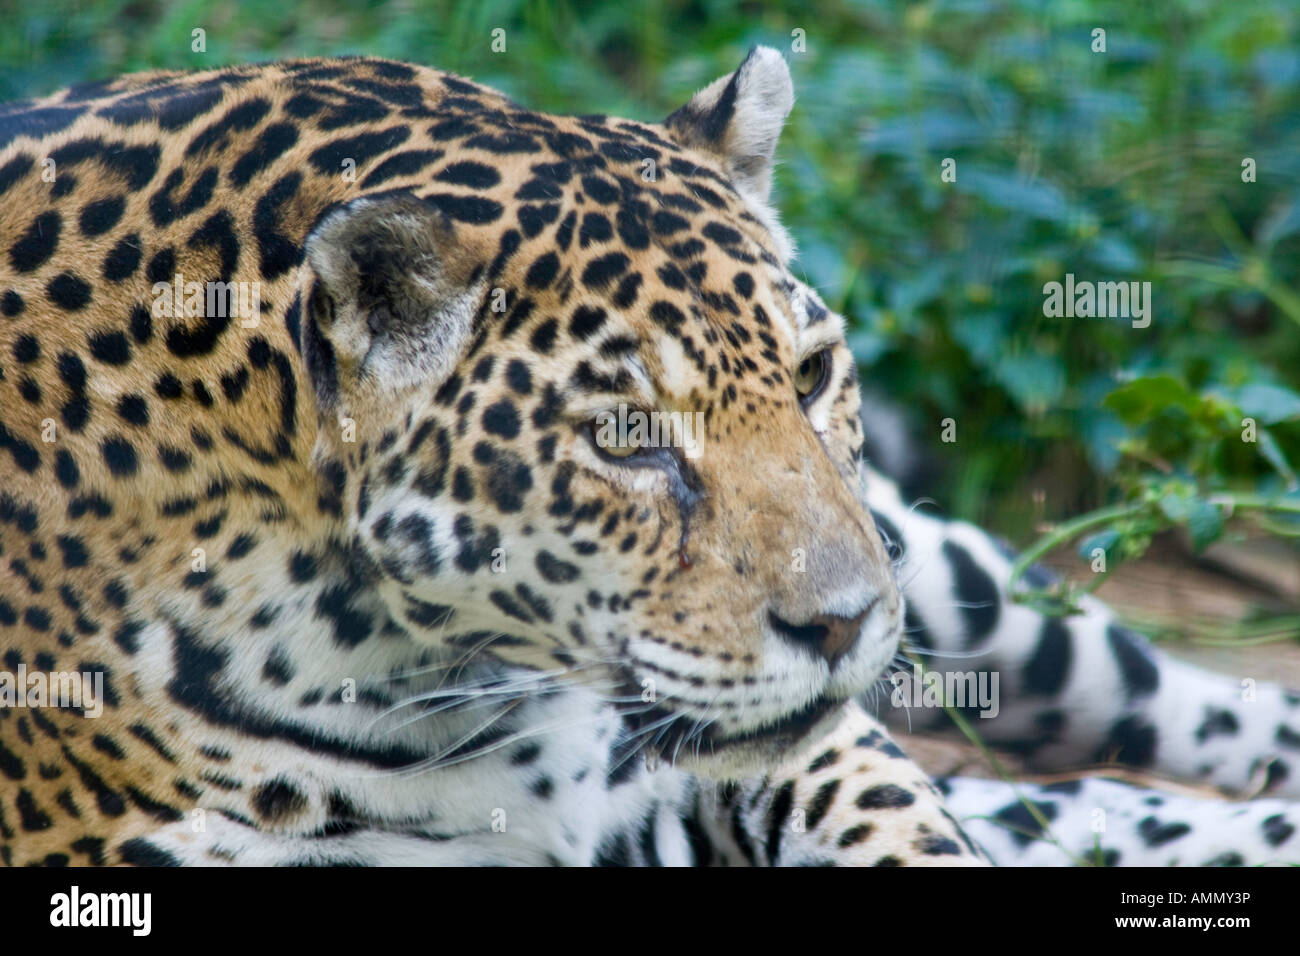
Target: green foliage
{"type": "Point", "coordinates": [1115, 166]}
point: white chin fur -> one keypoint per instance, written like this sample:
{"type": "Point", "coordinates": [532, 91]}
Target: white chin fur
{"type": "Point", "coordinates": [755, 757]}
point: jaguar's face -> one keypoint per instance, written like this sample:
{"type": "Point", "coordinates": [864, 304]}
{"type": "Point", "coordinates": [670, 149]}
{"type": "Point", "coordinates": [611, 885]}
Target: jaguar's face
{"type": "Point", "coordinates": [768, 598]}
{"type": "Point", "coordinates": [623, 438]}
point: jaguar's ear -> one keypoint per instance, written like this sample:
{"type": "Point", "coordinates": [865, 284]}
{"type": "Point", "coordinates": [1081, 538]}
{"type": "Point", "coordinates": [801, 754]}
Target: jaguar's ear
{"type": "Point", "coordinates": [389, 296]}
{"type": "Point", "coordinates": [739, 117]}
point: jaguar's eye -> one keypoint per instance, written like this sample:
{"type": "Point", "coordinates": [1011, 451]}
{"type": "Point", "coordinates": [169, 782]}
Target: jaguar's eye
{"type": "Point", "coordinates": [612, 437]}
{"type": "Point", "coordinates": [810, 376]}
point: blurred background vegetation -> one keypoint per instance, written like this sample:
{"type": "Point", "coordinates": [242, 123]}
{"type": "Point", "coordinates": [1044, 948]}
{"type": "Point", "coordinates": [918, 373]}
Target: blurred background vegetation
{"type": "Point", "coordinates": [1122, 165]}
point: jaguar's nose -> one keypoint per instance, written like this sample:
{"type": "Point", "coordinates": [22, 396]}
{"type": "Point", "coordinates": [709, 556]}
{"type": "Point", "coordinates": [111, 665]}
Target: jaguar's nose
{"type": "Point", "coordinates": [830, 636]}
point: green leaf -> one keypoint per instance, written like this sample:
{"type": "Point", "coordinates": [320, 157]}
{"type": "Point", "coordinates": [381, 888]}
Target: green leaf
{"type": "Point", "coordinates": [1204, 521]}
{"type": "Point", "coordinates": [1005, 189]}
{"type": "Point", "coordinates": [1268, 404]}
{"type": "Point", "coordinates": [1035, 381]}
{"type": "Point", "coordinates": [1269, 448]}
{"type": "Point", "coordinates": [983, 335]}
{"type": "Point", "coordinates": [1175, 506]}
{"type": "Point", "coordinates": [1141, 400]}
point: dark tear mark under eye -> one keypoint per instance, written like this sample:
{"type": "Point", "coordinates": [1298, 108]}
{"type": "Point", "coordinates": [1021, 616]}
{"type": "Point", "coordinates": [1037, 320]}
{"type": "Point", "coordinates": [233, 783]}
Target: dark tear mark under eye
{"type": "Point", "coordinates": [686, 489]}
{"type": "Point", "coordinates": [684, 485]}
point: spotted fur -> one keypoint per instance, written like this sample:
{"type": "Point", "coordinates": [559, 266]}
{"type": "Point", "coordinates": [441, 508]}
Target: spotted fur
{"type": "Point", "coordinates": [360, 583]}
{"type": "Point", "coordinates": [1084, 691]}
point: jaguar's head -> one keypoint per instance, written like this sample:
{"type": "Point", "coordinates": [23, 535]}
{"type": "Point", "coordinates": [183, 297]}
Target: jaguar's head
{"type": "Point", "coordinates": [602, 427]}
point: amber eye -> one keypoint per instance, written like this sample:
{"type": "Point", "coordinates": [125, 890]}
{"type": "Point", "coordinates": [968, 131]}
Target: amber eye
{"type": "Point", "coordinates": [810, 376]}
{"type": "Point", "coordinates": [612, 437]}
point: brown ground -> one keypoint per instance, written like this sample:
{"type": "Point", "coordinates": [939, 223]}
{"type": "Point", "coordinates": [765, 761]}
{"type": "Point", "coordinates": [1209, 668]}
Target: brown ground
{"type": "Point", "coordinates": [1193, 607]}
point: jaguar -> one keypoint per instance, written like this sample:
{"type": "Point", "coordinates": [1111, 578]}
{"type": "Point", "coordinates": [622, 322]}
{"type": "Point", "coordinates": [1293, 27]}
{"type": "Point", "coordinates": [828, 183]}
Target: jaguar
{"type": "Point", "coordinates": [302, 372]}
